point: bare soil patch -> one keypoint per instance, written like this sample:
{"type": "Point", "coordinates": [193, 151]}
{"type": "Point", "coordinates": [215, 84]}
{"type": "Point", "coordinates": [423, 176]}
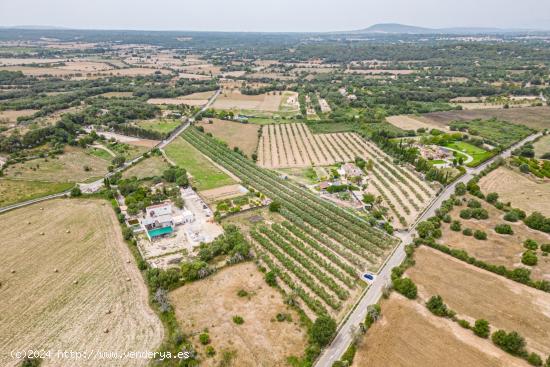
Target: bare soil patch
{"type": "Point", "coordinates": [523, 192]}
{"type": "Point", "coordinates": [236, 134]}
{"type": "Point", "coordinates": [67, 309]}
{"type": "Point", "coordinates": [149, 167]}
{"type": "Point", "coordinates": [235, 100]}
{"type": "Point", "coordinates": [260, 340]}
{"type": "Point", "coordinates": [407, 335]}
{"type": "Point", "coordinates": [533, 117]}
{"type": "Point", "coordinates": [407, 122]}
{"type": "Point", "coordinates": [222, 193]}
{"type": "Point", "coordinates": [477, 293]}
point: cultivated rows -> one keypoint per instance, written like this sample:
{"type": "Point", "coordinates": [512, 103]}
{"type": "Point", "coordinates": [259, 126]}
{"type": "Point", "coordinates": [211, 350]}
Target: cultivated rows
{"type": "Point", "coordinates": [320, 250]}
{"type": "Point", "coordinates": [293, 145]}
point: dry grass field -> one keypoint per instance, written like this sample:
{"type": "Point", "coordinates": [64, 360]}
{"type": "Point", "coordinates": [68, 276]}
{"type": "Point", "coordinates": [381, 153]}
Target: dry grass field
{"type": "Point", "coordinates": [533, 117]}
{"type": "Point", "coordinates": [211, 303]}
{"type": "Point", "coordinates": [223, 193]}
{"type": "Point", "coordinates": [407, 122]}
{"type": "Point", "coordinates": [234, 100]}
{"type": "Point", "coordinates": [408, 335]}
{"type": "Point", "coordinates": [66, 309]}
{"type": "Point", "coordinates": [68, 167]}
{"type": "Point", "coordinates": [195, 99]}
{"type": "Point", "coordinates": [152, 166]}
{"type": "Point", "coordinates": [64, 72]}
{"type": "Point", "coordinates": [498, 248]}
{"type": "Point", "coordinates": [10, 116]}
{"type": "Point", "coordinates": [475, 293]}
{"type": "Point", "coordinates": [15, 191]}
{"type": "Point", "coordinates": [235, 134]}
{"type": "Point", "coordinates": [542, 146]}
{"type": "Point", "coordinates": [523, 192]}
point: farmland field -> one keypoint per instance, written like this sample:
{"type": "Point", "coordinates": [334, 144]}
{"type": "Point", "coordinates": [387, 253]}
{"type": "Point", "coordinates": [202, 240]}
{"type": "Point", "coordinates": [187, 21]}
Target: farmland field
{"type": "Point", "coordinates": [260, 341]}
{"type": "Point", "coordinates": [408, 335]}
{"type": "Point", "coordinates": [15, 191]}
{"type": "Point", "coordinates": [83, 242]}
{"type": "Point", "coordinates": [235, 134]}
{"type": "Point", "coordinates": [542, 146]}
{"type": "Point", "coordinates": [319, 250]}
{"type": "Point", "coordinates": [10, 116]}
{"type": "Point", "coordinates": [494, 131]}
{"type": "Point", "coordinates": [475, 293]}
{"type": "Point", "coordinates": [498, 249]}
{"type": "Point", "coordinates": [234, 100]}
{"type": "Point", "coordinates": [533, 117]}
{"type": "Point", "coordinates": [149, 167]}
{"type": "Point", "coordinates": [161, 126]}
{"type": "Point", "coordinates": [293, 145]}
{"type": "Point", "coordinates": [205, 175]}
{"type": "Point", "coordinates": [67, 167]}
{"type": "Point", "coordinates": [406, 122]}
{"type": "Point", "coordinates": [523, 192]}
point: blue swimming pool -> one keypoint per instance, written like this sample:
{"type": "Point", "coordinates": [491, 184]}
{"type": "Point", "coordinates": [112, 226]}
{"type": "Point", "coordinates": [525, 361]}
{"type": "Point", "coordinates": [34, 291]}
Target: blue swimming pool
{"type": "Point", "coordinates": [160, 231]}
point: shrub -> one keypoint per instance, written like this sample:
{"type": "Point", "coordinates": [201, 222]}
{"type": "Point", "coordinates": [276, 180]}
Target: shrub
{"type": "Point", "coordinates": [283, 317]}
{"type": "Point", "coordinates": [512, 343]}
{"type": "Point", "coordinates": [474, 204]}
{"type": "Point", "coordinates": [530, 244]}
{"type": "Point", "coordinates": [492, 197]}
{"type": "Point", "coordinates": [271, 278]}
{"type": "Point", "coordinates": [464, 323]}
{"type": "Point", "coordinates": [534, 359]}
{"type": "Point", "coordinates": [480, 235]}
{"type": "Point", "coordinates": [503, 229]}
{"type": "Point", "coordinates": [529, 258]}
{"type": "Point", "coordinates": [511, 216]}
{"type": "Point", "coordinates": [406, 287]}
{"type": "Point", "coordinates": [467, 232]}
{"type": "Point", "coordinates": [242, 293]}
{"type": "Point", "coordinates": [460, 189]}
{"type": "Point", "coordinates": [210, 351]}
{"type": "Point", "coordinates": [455, 226]}
{"type": "Point", "coordinates": [238, 320]}
{"type": "Point", "coordinates": [466, 214]}
{"type": "Point", "coordinates": [323, 330]}
{"type": "Point", "coordinates": [76, 191]}
{"type": "Point", "coordinates": [480, 213]}
{"type": "Point", "coordinates": [436, 305]}
{"type": "Point", "coordinates": [481, 328]}
{"type": "Point", "coordinates": [545, 247]}
{"type": "Point", "coordinates": [204, 338]}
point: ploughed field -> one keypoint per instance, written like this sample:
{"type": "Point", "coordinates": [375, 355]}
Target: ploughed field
{"type": "Point", "coordinates": [69, 282]}
{"type": "Point", "coordinates": [320, 250]}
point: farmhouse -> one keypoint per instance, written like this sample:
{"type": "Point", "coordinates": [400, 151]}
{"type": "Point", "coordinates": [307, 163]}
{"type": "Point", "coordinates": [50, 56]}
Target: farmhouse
{"type": "Point", "coordinates": [158, 220]}
{"type": "Point", "coordinates": [350, 170]}
{"type": "Point", "coordinates": [434, 152]}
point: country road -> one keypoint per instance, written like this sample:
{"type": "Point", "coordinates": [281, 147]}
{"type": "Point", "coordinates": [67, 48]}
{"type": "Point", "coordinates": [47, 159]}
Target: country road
{"type": "Point", "coordinates": [96, 185]}
{"type": "Point", "coordinates": [383, 279]}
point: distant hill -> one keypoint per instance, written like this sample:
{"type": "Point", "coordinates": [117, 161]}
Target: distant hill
{"type": "Point", "coordinates": [396, 28]}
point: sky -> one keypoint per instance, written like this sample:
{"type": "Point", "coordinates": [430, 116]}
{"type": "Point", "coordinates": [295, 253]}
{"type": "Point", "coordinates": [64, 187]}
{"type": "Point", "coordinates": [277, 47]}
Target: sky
{"type": "Point", "coordinates": [274, 15]}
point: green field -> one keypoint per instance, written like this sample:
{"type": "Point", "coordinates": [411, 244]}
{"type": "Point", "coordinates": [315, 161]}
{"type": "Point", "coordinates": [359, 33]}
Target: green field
{"type": "Point", "coordinates": [16, 191]}
{"type": "Point", "coordinates": [100, 153]}
{"type": "Point", "coordinates": [479, 155]}
{"type": "Point", "coordinates": [205, 175]}
{"type": "Point", "coordinates": [161, 126]}
{"type": "Point", "coordinates": [496, 132]}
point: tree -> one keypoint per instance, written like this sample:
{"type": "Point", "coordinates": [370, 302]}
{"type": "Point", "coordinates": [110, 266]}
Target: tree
{"type": "Point", "coordinates": [118, 161]}
{"type": "Point", "coordinates": [481, 328]}
{"type": "Point", "coordinates": [406, 287]}
{"type": "Point", "coordinates": [425, 229]}
{"type": "Point", "coordinates": [271, 278]}
{"type": "Point", "coordinates": [76, 191]}
{"type": "Point", "coordinates": [455, 226]}
{"type": "Point", "coordinates": [503, 229]}
{"type": "Point", "coordinates": [529, 258]}
{"type": "Point", "coordinates": [275, 206]}
{"type": "Point", "coordinates": [436, 305]}
{"type": "Point", "coordinates": [460, 189]}
{"type": "Point", "coordinates": [480, 235]}
{"type": "Point", "coordinates": [512, 342]}
{"type": "Point", "coordinates": [530, 244]}
{"type": "Point", "coordinates": [323, 330]}
{"type": "Point", "coordinates": [492, 197]}
{"type": "Point", "coordinates": [534, 359]}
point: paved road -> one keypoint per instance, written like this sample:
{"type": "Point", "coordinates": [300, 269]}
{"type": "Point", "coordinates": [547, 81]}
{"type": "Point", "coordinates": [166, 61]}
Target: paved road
{"type": "Point", "coordinates": [96, 185]}
{"type": "Point", "coordinates": [343, 339]}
